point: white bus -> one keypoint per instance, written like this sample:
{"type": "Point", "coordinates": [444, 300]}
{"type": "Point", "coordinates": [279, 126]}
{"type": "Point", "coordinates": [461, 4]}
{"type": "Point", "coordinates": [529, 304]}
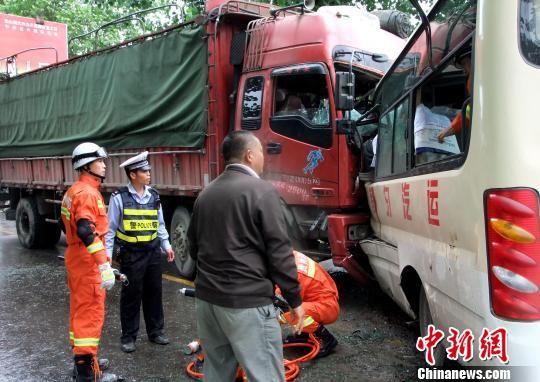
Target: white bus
{"type": "Point", "coordinates": [456, 230]}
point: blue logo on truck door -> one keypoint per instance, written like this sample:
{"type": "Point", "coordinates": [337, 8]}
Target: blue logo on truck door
{"type": "Point", "coordinates": [313, 159]}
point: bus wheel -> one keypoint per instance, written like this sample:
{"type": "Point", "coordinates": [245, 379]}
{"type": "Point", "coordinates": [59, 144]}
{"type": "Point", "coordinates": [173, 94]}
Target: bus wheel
{"type": "Point", "coordinates": [32, 229]}
{"type": "Point", "coordinates": [424, 320]}
{"type": "Point", "coordinates": [179, 225]}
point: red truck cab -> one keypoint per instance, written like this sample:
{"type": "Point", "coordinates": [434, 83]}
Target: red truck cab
{"type": "Point", "coordinates": [287, 98]}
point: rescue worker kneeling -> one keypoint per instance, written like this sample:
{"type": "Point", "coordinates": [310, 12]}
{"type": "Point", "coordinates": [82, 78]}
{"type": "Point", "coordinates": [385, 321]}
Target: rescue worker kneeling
{"type": "Point", "coordinates": [320, 302]}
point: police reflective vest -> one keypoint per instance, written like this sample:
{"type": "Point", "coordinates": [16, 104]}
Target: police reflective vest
{"type": "Point", "coordinates": [140, 223]}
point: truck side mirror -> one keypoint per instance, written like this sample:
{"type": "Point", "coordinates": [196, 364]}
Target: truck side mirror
{"type": "Point", "coordinates": [344, 91]}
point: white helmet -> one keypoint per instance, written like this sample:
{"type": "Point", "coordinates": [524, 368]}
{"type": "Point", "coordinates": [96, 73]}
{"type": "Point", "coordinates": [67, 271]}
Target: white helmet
{"type": "Point", "coordinates": [85, 153]}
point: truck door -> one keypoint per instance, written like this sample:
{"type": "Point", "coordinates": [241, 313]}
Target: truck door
{"type": "Point", "coordinates": [296, 132]}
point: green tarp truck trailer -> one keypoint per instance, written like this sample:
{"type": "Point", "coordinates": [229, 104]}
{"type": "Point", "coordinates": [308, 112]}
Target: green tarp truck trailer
{"type": "Point", "coordinates": [147, 94]}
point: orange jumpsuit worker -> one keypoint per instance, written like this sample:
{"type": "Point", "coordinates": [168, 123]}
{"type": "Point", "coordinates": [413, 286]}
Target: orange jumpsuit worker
{"type": "Point", "coordinates": [89, 270]}
{"type": "Point", "coordinates": [319, 300]}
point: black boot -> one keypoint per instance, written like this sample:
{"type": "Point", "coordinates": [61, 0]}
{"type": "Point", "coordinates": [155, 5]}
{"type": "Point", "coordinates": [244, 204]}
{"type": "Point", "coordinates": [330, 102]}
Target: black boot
{"type": "Point", "coordinates": [103, 365]}
{"type": "Point", "coordinates": [88, 370]}
{"type": "Point", "coordinates": [83, 368]}
{"type": "Point", "coordinates": [326, 340]}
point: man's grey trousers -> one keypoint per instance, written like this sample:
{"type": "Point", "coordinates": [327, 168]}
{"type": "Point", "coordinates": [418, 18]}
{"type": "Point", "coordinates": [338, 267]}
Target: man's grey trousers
{"type": "Point", "coordinates": [248, 337]}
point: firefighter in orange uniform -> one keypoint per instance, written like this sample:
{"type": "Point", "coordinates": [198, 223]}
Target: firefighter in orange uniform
{"type": "Point", "coordinates": [88, 268]}
{"type": "Point", "coordinates": [320, 302]}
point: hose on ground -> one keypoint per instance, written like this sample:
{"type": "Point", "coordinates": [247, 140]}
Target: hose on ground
{"type": "Point", "coordinates": [292, 367]}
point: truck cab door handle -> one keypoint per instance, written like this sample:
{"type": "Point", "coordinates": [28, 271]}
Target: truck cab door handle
{"type": "Point", "coordinates": [273, 148]}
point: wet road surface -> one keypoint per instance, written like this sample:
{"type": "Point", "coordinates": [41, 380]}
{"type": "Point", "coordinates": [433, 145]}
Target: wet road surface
{"type": "Point", "coordinates": [376, 344]}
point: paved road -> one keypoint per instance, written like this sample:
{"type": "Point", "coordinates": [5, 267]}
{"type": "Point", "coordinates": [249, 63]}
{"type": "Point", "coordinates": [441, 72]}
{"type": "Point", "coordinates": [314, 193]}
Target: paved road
{"type": "Point", "coordinates": [376, 344]}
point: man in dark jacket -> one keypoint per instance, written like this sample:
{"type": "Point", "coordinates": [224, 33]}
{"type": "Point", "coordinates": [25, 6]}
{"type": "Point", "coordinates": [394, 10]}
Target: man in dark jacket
{"type": "Point", "coordinates": [238, 237]}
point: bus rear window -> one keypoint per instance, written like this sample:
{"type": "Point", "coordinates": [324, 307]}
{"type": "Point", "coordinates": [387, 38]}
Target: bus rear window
{"type": "Point", "coordinates": [530, 30]}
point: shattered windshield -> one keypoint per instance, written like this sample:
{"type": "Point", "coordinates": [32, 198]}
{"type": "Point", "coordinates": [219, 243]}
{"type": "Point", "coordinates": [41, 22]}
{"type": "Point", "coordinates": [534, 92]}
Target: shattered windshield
{"type": "Point", "coordinates": [451, 22]}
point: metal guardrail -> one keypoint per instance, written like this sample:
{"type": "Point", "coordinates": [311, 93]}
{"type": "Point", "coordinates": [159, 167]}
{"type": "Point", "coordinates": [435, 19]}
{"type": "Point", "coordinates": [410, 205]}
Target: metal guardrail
{"type": "Point", "coordinates": [12, 59]}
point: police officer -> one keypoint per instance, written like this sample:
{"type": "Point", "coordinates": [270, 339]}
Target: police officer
{"type": "Point", "coordinates": [88, 267]}
{"type": "Point", "coordinates": [137, 227]}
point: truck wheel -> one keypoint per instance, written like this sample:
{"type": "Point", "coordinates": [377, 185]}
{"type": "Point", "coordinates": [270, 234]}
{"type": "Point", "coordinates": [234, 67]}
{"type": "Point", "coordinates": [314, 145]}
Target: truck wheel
{"type": "Point", "coordinates": [179, 225]}
{"type": "Point", "coordinates": [424, 320]}
{"type": "Point", "coordinates": [32, 229]}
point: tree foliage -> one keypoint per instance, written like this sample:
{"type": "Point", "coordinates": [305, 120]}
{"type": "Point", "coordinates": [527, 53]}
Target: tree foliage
{"type": "Point", "coordinates": [83, 16]}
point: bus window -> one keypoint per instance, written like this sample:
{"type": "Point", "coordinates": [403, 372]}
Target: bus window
{"type": "Point", "coordinates": [384, 145]}
{"type": "Point", "coordinates": [392, 151]}
{"type": "Point", "coordinates": [438, 109]}
{"type": "Point", "coordinates": [450, 25]}
{"type": "Point", "coordinates": [530, 30]}
{"type": "Point", "coordinates": [400, 146]}
{"type": "Point", "coordinates": [427, 99]}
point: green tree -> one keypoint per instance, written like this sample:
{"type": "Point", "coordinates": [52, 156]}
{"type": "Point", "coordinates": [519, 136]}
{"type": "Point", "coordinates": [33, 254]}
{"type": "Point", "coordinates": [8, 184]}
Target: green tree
{"type": "Point", "coordinates": [83, 16]}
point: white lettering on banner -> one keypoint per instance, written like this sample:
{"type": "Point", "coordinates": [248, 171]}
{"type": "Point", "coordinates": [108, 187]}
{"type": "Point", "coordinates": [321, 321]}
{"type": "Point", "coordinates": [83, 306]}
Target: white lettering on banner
{"type": "Point", "coordinates": [21, 25]}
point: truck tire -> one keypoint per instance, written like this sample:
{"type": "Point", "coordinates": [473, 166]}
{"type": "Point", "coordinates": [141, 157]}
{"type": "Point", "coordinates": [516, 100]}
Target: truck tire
{"type": "Point", "coordinates": [185, 265]}
{"type": "Point", "coordinates": [32, 230]}
{"type": "Point", "coordinates": [424, 320]}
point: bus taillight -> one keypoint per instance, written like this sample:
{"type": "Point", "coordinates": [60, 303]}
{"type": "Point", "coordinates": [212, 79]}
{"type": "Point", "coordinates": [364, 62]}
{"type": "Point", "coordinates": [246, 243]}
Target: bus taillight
{"type": "Point", "coordinates": [513, 245]}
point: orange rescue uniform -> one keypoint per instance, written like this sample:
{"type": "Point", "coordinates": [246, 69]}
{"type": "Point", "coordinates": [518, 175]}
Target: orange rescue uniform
{"type": "Point", "coordinates": [319, 294]}
{"type": "Point", "coordinates": [87, 299]}
{"type": "Point", "coordinates": [457, 122]}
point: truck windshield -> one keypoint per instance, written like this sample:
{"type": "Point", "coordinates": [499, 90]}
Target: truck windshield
{"type": "Point", "coordinates": [529, 32]}
{"type": "Point", "coordinates": [451, 23]}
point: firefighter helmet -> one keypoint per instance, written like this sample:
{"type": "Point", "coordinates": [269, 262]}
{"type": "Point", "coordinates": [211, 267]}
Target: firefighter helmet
{"type": "Point", "coordinates": [86, 153]}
